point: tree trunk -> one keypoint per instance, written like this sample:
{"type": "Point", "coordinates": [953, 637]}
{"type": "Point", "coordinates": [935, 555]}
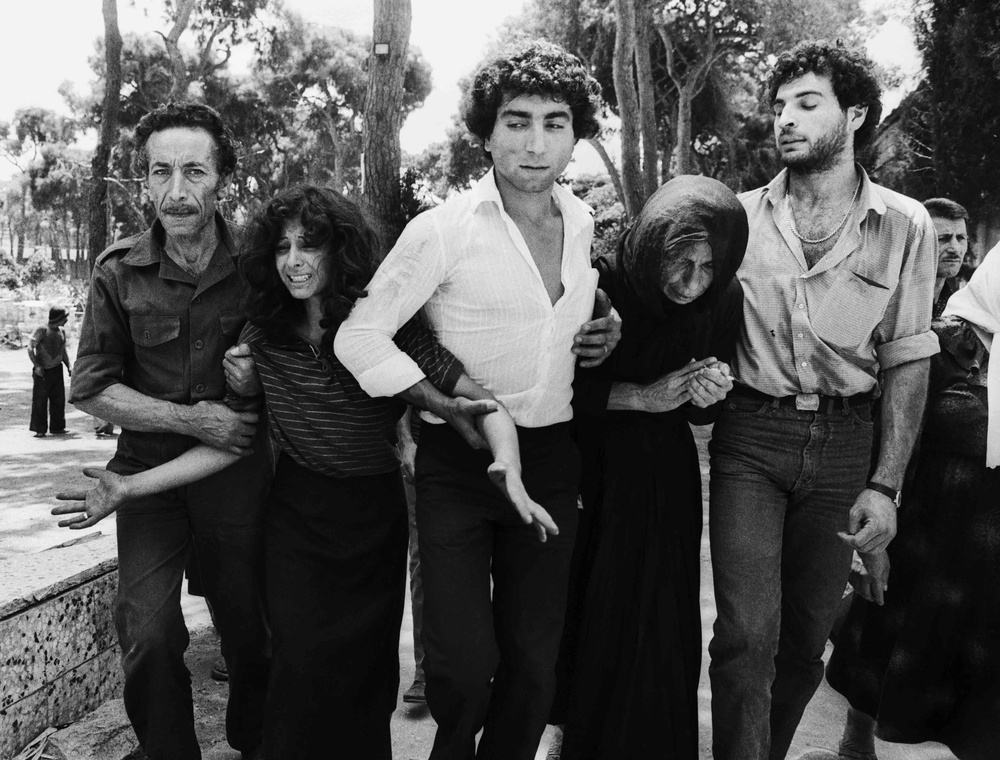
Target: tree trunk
{"type": "Point", "coordinates": [683, 157]}
{"type": "Point", "coordinates": [97, 218]}
{"type": "Point", "coordinates": [628, 105]}
{"type": "Point", "coordinates": [384, 118]}
{"type": "Point", "coordinates": [182, 79]}
{"type": "Point", "coordinates": [647, 98]}
{"type": "Point", "coordinates": [612, 170]}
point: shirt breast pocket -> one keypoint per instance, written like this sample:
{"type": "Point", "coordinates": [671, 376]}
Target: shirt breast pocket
{"type": "Point", "coordinates": [159, 360]}
{"type": "Point", "coordinates": [851, 310]}
{"type": "Point", "coordinates": [231, 322]}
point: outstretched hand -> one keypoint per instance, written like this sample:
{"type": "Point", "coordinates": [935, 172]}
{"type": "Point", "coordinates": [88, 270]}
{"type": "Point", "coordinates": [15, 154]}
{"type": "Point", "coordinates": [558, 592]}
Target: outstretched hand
{"type": "Point", "coordinates": [90, 507]}
{"type": "Point", "coordinates": [530, 511]}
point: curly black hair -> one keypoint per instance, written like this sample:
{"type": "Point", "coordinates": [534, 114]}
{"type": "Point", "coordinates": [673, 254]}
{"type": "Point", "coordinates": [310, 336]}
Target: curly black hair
{"type": "Point", "coordinates": [532, 67]}
{"type": "Point", "coordinates": [330, 221]}
{"type": "Point", "coordinates": [851, 72]}
{"type": "Point", "coordinates": [191, 116]}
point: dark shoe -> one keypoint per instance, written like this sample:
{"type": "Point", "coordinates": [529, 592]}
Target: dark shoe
{"type": "Point", "coordinates": [415, 694]}
{"type": "Point", "coordinates": [255, 754]}
{"type": "Point", "coordinates": [39, 435]}
{"type": "Point", "coordinates": [59, 432]}
{"type": "Point", "coordinates": [219, 670]}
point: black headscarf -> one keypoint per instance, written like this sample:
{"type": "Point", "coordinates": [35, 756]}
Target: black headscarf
{"type": "Point", "coordinates": [686, 209]}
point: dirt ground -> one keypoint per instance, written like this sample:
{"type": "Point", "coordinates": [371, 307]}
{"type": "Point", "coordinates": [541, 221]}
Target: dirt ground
{"type": "Point", "coordinates": [33, 470]}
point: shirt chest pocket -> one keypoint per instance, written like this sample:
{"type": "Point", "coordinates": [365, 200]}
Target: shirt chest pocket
{"type": "Point", "coordinates": [159, 361]}
{"type": "Point", "coordinates": [231, 322]}
{"type": "Point", "coordinates": [850, 310]}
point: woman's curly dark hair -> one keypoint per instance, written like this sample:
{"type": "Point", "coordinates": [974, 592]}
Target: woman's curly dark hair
{"type": "Point", "coordinates": [533, 67]}
{"type": "Point", "coordinates": [330, 221]}
{"type": "Point", "coordinates": [851, 72]}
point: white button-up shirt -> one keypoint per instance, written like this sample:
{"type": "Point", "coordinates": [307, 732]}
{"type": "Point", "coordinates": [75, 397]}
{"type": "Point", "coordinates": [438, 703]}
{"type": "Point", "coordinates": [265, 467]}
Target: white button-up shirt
{"type": "Point", "coordinates": [467, 265]}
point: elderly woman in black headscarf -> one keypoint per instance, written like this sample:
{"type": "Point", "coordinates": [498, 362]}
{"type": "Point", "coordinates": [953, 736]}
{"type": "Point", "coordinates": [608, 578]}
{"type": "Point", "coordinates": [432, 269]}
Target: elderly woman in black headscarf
{"type": "Point", "coordinates": [632, 650]}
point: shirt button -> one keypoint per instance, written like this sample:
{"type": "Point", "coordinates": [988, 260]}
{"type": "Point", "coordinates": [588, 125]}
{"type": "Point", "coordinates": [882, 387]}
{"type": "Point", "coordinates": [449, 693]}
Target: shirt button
{"type": "Point", "coordinates": [199, 344]}
{"type": "Point", "coordinates": [805, 364]}
{"type": "Point", "coordinates": [800, 335]}
{"type": "Point", "coordinates": [197, 299]}
{"type": "Point", "coordinates": [802, 306]}
{"type": "Point", "coordinates": [200, 387]}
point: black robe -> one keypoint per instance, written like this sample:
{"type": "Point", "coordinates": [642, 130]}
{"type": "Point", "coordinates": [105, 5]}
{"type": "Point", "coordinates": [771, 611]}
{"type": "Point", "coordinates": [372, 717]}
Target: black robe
{"type": "Point", "coordinates": [631, 657]}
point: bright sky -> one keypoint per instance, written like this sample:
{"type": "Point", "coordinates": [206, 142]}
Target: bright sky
{"type": "Point", "coordinates": [451, 35]}
{"type": "Point", "coordinates": [47, 42]}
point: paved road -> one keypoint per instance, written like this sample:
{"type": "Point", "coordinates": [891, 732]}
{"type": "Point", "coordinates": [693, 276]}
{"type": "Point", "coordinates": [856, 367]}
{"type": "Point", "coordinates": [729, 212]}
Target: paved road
{"type": "Point", "coordinates": [34, 470]}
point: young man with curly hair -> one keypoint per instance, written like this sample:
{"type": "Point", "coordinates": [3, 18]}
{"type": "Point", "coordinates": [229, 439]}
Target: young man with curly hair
{"type": "Point", "coordinates": [838, 281]}
{"type": "Point", "coordinates": [503, 274]}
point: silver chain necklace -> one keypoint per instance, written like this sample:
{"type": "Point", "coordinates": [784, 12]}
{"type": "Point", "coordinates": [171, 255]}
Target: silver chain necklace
{"type": "Point", "coordinates": [850, 207]}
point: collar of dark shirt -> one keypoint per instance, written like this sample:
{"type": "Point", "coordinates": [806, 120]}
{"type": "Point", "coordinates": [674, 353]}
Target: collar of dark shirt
{"type": "Point", "coordinates": [148, 250]}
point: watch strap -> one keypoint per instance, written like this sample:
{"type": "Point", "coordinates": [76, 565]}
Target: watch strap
{"type": "Point", "coordinates": [883, 489]}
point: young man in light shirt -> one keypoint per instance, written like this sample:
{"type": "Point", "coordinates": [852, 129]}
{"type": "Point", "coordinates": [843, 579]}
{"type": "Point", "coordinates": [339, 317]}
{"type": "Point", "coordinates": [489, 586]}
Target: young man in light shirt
{"type": "Point", "coordinates": [837, 282]}
{"type": "Point", "coordinates": [503, 275]}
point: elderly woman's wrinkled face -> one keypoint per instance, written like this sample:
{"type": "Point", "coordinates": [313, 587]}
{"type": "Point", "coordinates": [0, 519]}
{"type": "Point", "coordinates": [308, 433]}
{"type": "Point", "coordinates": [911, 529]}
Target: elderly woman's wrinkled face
{"type": "Point", "coordinates": [687, 274]}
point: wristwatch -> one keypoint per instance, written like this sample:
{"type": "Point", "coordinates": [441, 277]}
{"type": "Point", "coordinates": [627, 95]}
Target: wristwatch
{"type": "Point", "coordinates": [883, 489]}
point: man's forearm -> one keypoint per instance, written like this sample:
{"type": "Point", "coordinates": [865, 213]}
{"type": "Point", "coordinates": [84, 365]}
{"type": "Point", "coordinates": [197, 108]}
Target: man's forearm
{"type": "Point", "coordinates": [133, 410]}
{"type": "Point", "coordinates": [903, 402]}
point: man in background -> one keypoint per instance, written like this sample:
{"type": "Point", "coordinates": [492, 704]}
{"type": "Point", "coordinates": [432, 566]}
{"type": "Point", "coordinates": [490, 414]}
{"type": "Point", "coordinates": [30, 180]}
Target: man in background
{"type": "Point", "coordinates": [950, 221]}
{"type": "Point", "coordinates": [47, 352]}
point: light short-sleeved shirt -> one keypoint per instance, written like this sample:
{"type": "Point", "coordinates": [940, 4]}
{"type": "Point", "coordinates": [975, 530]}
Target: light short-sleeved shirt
{"type": "Point", "coordinates": [865, 306]}
{"type": "Point", "coordinates": [466, 264]}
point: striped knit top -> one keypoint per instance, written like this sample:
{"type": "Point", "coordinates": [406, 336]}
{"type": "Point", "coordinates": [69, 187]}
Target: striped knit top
{"type": "Point", "coordinates": [318, 413]}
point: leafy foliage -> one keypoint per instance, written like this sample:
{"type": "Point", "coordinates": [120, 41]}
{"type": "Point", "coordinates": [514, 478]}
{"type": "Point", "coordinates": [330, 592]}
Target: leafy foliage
{"type": "Point", "coordinates": [958, 115]}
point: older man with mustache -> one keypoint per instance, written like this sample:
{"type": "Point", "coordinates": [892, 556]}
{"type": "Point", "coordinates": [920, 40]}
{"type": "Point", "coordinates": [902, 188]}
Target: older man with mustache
{"type": "Point", "coordinates": [164, 307]}
{"type": "Point", "coordinates": [951, 224]}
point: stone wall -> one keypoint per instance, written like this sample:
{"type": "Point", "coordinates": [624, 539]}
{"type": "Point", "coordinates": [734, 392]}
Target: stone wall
{"type": "Point", "coordinates": [59, 655]}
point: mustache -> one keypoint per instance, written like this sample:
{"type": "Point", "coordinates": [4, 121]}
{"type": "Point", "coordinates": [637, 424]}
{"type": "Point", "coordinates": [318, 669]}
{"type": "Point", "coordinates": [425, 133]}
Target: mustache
{"type": "Point", "coordinates": [172, 208]}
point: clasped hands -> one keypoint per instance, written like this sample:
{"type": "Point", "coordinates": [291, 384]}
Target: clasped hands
{"type": "Point", "coordinates": [703, 383]}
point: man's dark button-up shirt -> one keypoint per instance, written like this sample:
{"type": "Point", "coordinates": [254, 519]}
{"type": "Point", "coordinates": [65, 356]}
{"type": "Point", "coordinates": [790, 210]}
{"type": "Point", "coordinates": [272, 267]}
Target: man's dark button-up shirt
{"type": "Point", "coordinates": [156, 328]}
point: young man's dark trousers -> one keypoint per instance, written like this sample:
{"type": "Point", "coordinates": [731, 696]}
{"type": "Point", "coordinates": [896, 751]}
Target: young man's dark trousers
{"type": "Point", "coordinates": [48, 400]}
{"type": "Point", "coordinates": [490, 657]}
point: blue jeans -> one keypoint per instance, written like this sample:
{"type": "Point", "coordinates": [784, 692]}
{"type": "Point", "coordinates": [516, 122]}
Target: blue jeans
{"type": "Point", "coordinates": [783, 482]}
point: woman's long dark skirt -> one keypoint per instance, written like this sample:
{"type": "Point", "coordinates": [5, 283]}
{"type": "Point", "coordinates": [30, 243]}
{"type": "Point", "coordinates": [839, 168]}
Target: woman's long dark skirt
{"type": "Point", "coordinates": [335, 553]}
